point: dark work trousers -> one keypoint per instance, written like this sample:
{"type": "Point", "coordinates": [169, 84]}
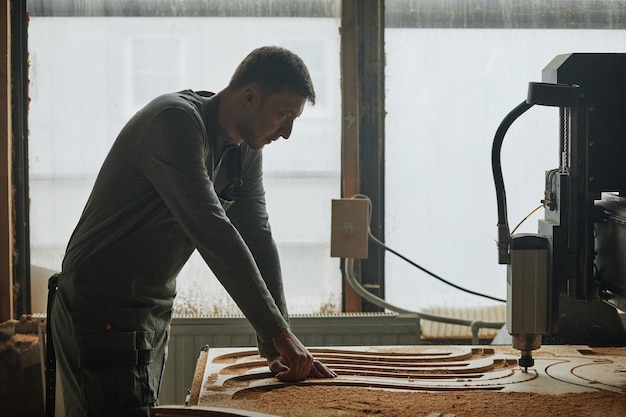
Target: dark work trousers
{"type": "Point", "coordinates": [110, 359]}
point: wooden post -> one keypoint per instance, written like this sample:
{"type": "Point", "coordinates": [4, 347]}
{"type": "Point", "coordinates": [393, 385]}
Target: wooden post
{"type": "Point", "coordinates": [350, 125]}
{"type": "Point", "coordinates": [371, 87]}
{"type": "Point", "coordinates": [362, 133]}
{"type": "Point", "coordinates": [6, 189]}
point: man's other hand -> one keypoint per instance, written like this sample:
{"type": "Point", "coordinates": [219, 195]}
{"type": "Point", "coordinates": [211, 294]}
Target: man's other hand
{"type": "Point", "coordinates": [295, 362]}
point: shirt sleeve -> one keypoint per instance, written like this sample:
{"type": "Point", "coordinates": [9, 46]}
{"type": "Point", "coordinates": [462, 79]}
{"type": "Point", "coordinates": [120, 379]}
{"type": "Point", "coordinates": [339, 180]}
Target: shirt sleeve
{"type": "Point", "coordinates": [250, 216]}
{"type": "Point", "coordinates": [173, 158]}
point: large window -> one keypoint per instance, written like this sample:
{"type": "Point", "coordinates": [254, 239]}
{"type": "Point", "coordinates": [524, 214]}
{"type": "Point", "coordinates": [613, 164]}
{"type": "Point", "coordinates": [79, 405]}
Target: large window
{"type": "Point", "coordinates": [454, 70]}
{"type": "Point", "coordinates": [91, 73]}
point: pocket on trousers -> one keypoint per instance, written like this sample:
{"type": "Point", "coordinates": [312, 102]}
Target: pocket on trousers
{"type": "Point", "coordinates": [115, 369]}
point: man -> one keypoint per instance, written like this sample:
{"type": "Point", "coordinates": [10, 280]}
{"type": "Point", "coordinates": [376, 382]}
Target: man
{"type": "Point", "coordinates": [183, 174]}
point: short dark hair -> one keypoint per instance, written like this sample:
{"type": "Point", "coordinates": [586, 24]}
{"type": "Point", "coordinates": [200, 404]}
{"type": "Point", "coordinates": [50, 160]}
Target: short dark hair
{"type": "Point", "coordinates": [275, 69]}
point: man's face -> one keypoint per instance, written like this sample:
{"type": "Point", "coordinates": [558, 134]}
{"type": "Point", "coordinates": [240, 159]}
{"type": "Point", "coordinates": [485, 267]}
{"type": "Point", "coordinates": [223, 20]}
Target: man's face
{"type": "Point", "coordinates": [269, 117]}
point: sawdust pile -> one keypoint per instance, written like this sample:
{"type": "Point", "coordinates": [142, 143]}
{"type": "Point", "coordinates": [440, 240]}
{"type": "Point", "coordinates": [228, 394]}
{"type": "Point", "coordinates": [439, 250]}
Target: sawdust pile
{"type": "Point", "coordinates": [320, 401]}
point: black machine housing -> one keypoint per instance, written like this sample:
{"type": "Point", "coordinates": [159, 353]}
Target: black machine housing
{"type": "Point", "coordinates": [585, 203]}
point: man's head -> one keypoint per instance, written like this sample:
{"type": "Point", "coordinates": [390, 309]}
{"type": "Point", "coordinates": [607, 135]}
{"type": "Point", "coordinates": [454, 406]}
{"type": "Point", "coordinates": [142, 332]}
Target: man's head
{"type": "Point", "coordinates": [265, 95]}
{"type": "Point", "coordinates": [274, 70]}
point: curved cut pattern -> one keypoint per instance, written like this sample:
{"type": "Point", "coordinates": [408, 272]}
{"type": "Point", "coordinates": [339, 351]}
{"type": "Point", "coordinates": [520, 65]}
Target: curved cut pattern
{"type": "Point", "coordinates": [238, 372]}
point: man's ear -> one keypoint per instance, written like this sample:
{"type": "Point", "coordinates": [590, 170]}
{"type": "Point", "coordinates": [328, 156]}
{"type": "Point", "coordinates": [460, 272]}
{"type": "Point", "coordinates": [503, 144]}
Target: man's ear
{"type": "Point", "coordinates": [251, 95]}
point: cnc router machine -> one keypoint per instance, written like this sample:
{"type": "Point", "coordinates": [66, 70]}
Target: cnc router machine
{"type": "Point", "coordinates": [566, 281]}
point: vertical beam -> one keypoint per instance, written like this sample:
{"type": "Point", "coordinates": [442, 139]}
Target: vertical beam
{"type": "Point", "coordinates": [371, 86]}
{"type": "Point", "coordinates": [19, 158]}
{"type": "Point", "coordinates": [6, 212]}
{"type": "Point", "coordinates": [350, 125]}
{"type": "Point", "coordinates": [362, 69]}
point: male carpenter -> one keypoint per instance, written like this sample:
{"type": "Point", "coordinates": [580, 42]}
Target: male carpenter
{"type": "Point", "coordinates": [184, 174]}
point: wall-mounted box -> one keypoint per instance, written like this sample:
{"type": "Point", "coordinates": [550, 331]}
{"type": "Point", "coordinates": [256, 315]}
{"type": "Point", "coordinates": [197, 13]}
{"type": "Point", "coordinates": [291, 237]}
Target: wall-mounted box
{"type": "Point", "coordinates": [349, 228]}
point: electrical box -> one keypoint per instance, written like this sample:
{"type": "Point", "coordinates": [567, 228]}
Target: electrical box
{"type": "Point", "coordinates": [349, 228]}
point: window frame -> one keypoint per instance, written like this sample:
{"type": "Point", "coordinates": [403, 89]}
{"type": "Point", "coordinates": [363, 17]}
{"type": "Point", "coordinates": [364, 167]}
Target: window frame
{"type": "Point", "coordinates": [363, 25]}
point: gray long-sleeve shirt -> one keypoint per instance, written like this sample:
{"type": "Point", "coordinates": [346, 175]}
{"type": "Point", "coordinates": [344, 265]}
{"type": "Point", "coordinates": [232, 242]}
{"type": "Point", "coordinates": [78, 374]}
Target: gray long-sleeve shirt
{"type": "Point", "coordinates": [156, 200]}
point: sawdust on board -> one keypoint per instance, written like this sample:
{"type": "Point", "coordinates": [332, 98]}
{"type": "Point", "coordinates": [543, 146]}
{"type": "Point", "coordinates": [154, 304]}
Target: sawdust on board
{"type": "Point", "coordinates": [323, 401]}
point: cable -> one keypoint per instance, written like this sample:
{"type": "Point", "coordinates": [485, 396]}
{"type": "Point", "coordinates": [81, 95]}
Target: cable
{"type": "Point", "coordinates": [381, 244]}
{"type": "Point", "coordinates": [475, 325]}
{"type": "Point", "coordinates": [525, 218]}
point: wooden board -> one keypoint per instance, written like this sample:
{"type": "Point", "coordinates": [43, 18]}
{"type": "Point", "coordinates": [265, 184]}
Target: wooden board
{"type": "Point", "coordinates": [233, 371]}
{"type": "Point", "coordinates": [575, 375]}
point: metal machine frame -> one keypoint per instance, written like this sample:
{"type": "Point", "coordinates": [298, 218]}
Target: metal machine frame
{"type": "Point", "coordinates": [561, 279]}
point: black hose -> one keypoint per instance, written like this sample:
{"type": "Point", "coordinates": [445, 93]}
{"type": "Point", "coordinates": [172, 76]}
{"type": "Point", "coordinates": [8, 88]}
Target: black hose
{"type": "Point", "coordinates": [496, 166]}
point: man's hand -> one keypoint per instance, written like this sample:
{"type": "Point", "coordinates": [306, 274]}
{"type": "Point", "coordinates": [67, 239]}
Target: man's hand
{"type": "Point", "coordinates": [295, 362]}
